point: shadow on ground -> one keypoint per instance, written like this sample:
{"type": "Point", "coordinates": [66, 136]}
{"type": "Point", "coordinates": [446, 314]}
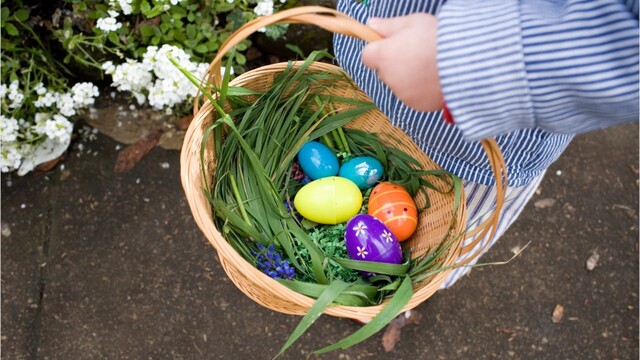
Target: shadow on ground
{"type": "Point", "coordinates": [105, 265]}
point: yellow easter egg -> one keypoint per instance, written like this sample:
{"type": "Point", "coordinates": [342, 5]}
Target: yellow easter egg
{"type": "Point", "coordinates": [329, 200]}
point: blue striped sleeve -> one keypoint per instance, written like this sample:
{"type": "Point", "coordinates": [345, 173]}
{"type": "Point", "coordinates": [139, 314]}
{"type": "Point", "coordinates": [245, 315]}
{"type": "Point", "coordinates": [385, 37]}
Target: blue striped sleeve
{"type": "Point", "coordinates": [562, 66]}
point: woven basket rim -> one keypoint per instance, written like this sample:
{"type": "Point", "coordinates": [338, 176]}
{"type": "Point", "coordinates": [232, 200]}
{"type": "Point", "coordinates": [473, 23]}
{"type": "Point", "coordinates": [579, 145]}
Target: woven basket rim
{"type": "Point", "coordinates": [193, 186]}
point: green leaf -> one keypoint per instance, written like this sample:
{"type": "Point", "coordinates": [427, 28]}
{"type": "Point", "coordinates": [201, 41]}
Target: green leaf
{"type": "Point", "coordinates": [296, 49]}
{"type": "Point", "coordinates": [324, 300]}
{"type": "Point", "coordinates": [165, 27]}
{"type": "Point", "coordinates": [276, 31]}
{"type": "Point", "coordinates": [375, 267]}
{"type": "Point", "coordinates": [11, 29]}
{"type": "Point", "coordinates": [241, 59]}
{"type": "Point", "coordinates": [147, 30]}
{"type": "Point", "coordinates": [21, 14]}
{"type": "Point", "coordinates": [4, 14]}
{"type": "Point", "coordinates": [201, 48]}
{"type": "Point", "coordinates": [384, 317]}
{"type": "Point", "coordinates": [145, 7]}
{"type": "Point", "coordinates": [191, 17]}
{"type": "Point", "coordinates": [192, 31]}
{"type": "Point", "coordinates": [113, 37]}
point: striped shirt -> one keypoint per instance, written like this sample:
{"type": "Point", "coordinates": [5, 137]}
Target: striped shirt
{"type": "Point", "coordinates": [530, 73]}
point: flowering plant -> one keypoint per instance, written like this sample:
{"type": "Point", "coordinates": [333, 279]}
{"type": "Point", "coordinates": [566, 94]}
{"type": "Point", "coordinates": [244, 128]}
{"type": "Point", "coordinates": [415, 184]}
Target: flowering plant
{"type": "Point", "coordinates": [49, 53]}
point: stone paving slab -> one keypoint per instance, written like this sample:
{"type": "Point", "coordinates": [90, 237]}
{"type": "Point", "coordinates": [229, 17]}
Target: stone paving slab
{"type": "Point", "coordinates": [105, 265]}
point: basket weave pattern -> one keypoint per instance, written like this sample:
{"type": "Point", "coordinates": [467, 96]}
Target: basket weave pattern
{"type": "Point", "coordinates": [433, 226]}
{"type": "Point", "coordinates": [434, 223]}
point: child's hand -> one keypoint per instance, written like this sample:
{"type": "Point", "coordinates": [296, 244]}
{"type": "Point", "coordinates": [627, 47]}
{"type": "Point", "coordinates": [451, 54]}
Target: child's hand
{"type": "Point", "coordinates": [405, 59]}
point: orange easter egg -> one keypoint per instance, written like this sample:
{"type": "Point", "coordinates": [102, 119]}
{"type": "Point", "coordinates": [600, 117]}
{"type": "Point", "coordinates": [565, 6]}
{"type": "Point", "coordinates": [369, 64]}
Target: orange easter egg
{"type": "Point", "coordinates": [393, 205]}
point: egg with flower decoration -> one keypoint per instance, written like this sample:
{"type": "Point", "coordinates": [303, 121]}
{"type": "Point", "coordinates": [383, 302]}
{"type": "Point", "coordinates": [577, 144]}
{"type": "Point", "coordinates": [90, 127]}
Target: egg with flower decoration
{"type": "Point", "coordinates": [393, 204]}
{"type": "Point", "coordinates": [368, 239]}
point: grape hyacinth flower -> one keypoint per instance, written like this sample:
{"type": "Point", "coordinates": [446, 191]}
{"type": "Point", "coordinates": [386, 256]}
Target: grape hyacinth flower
{"type": "Point", "coordinates": [270, 262]}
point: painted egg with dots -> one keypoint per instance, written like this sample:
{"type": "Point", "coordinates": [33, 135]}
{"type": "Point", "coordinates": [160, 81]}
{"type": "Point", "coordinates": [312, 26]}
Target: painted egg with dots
{"type": "Point", "coordinates": [368, 239]}
{"type": "Point", "coordinates": [317, 160]}
{"type": "Point", "coordinates": [394, 206]}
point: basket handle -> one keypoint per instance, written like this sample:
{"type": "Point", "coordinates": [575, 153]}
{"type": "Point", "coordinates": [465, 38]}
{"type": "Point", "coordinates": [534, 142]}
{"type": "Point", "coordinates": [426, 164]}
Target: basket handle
{"type": "Point", "coordinates": [337, 22]}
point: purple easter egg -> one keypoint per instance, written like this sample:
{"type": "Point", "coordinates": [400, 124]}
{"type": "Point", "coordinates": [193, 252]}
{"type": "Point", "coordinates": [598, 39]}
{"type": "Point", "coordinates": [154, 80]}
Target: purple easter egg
{"type": "Point", "coordinates": [369, 239]}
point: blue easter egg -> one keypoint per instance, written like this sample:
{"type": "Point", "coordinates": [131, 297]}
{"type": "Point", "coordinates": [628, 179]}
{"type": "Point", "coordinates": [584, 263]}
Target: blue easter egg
{"type": "Point", "coordinates": [318, 161]}
{"type": "Point", "coordinates": [364, 171]}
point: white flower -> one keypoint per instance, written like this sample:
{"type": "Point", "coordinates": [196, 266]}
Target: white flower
{"type": "Point", "coordinates": [17, 100]}
{"type": "Point", "coordinates": [140, 97]}
{"type": "Point", "coordinates": [175, 2]}
{"type": "Point", "coordinates": [109, 23]}
{"type": "Point", "coordinates": [46, 100]}
{"type": "Point", "coordinates": [3, 91]}
{"type": "Point", "coordinates": [40, 89]}
{"type": "Point", "coordinates": [264, 8]}
{"type": "Point", "coordinates": [10, 157]}
{"type": "Point", "coordinates": [131, 76]}
{"type": "Point", "coordinates": [84, 94]}
{"type": "Point", "coordinates": [125, 6]}
{"type": "Point", "coordinates": [362, 251]}
{"type": "Point", "coordinates": [108, 67]}
{"type": "Point", "coordinates": [8, 129]}
{"type": "Point", "coordinates": [360, 228]}
{"type": "Point", "coordinates": [66, 105]}
{"type": "Point", "coordinates": [15, 95]}
{"type": "Point", "coordinates": [58, 128]}
{"type": "Point", "coordinates": [158, 61]}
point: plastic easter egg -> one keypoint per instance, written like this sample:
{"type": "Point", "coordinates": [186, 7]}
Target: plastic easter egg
{"type": "Point", "coordinates": [365, 171]}
{"type": "Point", "coordinates": [393, 205]}
{"type": "Point", "coordinates": [317, 160]}
{"type": "Point", "coordinates": [368, 239]}
{"type": "Point", "coordinates": [330, 200]}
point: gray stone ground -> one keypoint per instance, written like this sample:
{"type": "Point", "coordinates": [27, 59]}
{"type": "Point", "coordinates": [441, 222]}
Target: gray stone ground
{"type": "Point", "coordinates": [105, 265]}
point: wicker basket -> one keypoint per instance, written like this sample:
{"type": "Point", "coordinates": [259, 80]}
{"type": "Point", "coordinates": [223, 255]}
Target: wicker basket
{"type": "Point", "coordinates": [434, 223]}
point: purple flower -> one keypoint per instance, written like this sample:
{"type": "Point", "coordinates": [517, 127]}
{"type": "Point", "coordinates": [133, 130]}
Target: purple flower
{"type": "Point", "coordinates": [270, 262]}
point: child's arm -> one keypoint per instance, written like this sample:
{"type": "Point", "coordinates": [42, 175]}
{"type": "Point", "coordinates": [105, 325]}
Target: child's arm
{"type": "Point", "coordinates": [566, 67]}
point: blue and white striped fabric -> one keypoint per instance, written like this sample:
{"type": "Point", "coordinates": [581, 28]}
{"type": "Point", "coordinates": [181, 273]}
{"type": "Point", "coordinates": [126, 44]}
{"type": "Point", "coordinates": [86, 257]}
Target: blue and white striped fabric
{"type": "Point", "coordinates": [589, 82]}
{"type": "Point", "coordinates": [563, 66]}
{"type": "Point", "coordinates": [530, 73]}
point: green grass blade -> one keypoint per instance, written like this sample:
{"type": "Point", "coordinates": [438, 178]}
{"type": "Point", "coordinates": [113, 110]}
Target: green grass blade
{"type": "Point", "coordinates": [331, 292]}
{"type": "Point", "coordinates": [384, 317]}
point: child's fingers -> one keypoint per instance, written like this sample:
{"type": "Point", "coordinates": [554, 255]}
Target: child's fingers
{"type": "Point", "coordinates": [372, 53]}
{"type": "Point", "coordinates": [389, 26]}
